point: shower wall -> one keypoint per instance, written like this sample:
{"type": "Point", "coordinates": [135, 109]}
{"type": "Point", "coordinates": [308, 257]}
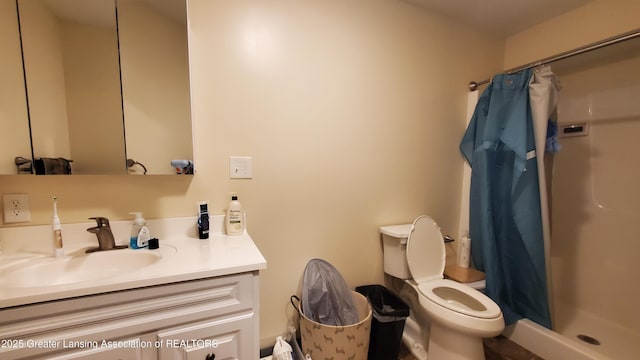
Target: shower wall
{"type": "Point", "coordinates": [595, 243]}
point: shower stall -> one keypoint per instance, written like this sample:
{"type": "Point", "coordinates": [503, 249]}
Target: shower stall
{"type": "Point", "coordinates": [593, 187]}
{"type": "Point", "coordinates": [595, 211]}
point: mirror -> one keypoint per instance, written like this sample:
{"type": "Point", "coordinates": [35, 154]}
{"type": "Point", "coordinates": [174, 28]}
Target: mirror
{"type": "Point", "coordinates": [107, 84]}
{"type": "Point", "coordinates": [73, 83]}
{"type": "Point", "coordinates": [155, 82]}
{"type": "Point", "coordinates": [14, 137]}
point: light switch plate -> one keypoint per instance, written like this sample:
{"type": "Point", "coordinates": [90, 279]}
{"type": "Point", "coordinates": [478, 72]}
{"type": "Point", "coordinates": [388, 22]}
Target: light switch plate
{"type": "Point", "coordinates": [240, 167]}
{"type": "Point", "coordinates": [16, 208]}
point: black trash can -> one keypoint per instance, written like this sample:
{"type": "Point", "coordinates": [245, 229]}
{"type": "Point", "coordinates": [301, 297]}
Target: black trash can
{"type": "Point", "coordinates": [389, 315]}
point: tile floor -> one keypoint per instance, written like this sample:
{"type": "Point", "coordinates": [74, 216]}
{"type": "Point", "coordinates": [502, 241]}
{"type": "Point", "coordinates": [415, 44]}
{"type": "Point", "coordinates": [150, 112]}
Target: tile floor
{"type": "Point", "coordinates": [498, 348]}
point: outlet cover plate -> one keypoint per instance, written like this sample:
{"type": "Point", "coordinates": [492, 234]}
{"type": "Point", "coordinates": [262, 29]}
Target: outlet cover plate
{"type": "Point", "coordinates": [16, 208]}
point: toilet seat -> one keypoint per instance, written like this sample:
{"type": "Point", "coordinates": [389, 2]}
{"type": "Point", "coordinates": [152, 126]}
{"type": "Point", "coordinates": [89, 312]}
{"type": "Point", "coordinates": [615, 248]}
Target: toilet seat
{"type": "Point", "coordinates": [460, 298]}
{"type": "Point", "coordinates": [426, 255]}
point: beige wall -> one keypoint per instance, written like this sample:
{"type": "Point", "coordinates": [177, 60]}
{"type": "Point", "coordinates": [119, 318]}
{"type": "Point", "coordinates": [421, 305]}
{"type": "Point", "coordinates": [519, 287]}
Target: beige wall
{"type": "Point", "coordinates": [598, 20]}
{"type": "Point", "coordinates": [352, 111]}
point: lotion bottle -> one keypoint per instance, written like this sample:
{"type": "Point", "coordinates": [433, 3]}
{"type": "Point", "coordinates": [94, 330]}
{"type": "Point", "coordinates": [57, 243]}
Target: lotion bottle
{"type": "Point", "coordinates": [234, 221]}
{"type": "Point", "coordinates": [139, 232]}
{"type": "Point", "coordinates": [56, 228]}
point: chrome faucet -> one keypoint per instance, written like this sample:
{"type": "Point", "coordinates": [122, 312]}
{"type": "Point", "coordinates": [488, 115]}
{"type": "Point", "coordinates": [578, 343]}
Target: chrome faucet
{"type": "Point", "coordinates": [104, 234]}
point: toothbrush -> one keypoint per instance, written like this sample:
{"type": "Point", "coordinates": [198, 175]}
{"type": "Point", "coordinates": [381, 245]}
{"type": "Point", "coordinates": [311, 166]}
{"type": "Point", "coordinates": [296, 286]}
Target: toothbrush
{"type": "Point", "coordinates": [56, 228]}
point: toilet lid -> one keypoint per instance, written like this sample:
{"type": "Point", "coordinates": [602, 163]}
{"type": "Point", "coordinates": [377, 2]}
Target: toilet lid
{"type": "Point", "coordinates": [425, 250]}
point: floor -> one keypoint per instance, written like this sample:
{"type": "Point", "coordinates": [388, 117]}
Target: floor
{"type": "Point", "coordinates": [498, 348]}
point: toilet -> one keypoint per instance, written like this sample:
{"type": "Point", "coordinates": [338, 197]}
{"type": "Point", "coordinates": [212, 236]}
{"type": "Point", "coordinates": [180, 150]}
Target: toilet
{"type": "Point", "coordinates": [459, 315]}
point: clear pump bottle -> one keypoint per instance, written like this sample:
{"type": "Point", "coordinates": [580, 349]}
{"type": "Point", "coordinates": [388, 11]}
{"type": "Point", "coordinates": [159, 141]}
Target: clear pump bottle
{"type": "Point", "coordinates": [139, 232]}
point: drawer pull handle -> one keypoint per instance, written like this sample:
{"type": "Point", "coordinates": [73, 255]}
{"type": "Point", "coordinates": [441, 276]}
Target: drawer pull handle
{"type": "Point", "coordinates": [211, 356]}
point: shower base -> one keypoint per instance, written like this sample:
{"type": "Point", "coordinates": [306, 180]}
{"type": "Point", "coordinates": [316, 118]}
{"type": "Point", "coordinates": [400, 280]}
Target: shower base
{"type": "Point", "coordinates": [615, 342]}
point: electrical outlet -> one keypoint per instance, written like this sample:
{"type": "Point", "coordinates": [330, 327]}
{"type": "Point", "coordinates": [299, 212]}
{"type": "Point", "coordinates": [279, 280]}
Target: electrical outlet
{"type": "Point", "coordinates": [16, 208]}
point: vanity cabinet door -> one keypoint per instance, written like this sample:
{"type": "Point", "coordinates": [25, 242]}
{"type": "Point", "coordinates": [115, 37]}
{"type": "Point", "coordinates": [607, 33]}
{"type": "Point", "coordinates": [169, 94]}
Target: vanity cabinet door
{"type": "Point", "coordinates": [102, 353]}
{"type": "Point", "coordinates": [219, 339]}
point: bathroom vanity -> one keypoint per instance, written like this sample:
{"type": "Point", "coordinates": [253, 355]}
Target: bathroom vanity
{"type": "Point", "coordinates": [198, 300]}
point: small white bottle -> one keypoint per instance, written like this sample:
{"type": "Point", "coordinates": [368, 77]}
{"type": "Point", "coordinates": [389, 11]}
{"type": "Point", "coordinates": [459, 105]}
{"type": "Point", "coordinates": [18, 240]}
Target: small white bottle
{"type": "Point", "coordinates": [140, 234]}
{"type": "Point", "coordinates": [464, 251]}
{"type": "Point", "coordinates": [282, 350]}
{"type": "Point", "coordinates": [234, 220]}
{"type": "Point", "coordinates": [56, 228]}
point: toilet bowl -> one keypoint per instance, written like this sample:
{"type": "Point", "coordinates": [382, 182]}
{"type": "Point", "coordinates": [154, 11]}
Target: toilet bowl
{"type": "Point", "coordinates": [459, 316]}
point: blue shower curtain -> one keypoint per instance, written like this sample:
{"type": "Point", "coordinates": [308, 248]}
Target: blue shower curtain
{"type": "Point", "coordinates": [505, 222]}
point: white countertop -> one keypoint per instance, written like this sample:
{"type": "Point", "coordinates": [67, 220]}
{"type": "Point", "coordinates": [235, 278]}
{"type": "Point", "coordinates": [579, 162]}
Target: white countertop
{"type": "Point", "coordinates": [183, 257]}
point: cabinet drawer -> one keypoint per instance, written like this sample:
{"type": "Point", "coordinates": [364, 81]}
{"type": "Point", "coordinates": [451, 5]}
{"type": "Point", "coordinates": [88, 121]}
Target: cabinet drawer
{"type": "Point", "coordinates": [214, 296]}
{"type": "Point", "coordinates": [228, 338]}
{"type": "Point", "coordinates": [103, 353]}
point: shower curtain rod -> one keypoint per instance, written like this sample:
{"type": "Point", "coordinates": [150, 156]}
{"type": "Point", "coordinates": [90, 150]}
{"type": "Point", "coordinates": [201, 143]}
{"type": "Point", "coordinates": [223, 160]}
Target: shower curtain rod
{"type": "Point", "coordinates": [593, 46]}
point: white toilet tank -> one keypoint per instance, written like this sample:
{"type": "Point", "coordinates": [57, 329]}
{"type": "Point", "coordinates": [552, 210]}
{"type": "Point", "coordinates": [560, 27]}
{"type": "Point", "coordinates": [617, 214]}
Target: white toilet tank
{"type": "Point", "coordinates": [394, 247]}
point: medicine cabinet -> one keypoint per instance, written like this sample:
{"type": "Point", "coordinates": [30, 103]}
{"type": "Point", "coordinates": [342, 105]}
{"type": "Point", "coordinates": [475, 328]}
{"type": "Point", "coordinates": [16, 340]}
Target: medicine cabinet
{"type": "Point", "coordinates": [104, 83]}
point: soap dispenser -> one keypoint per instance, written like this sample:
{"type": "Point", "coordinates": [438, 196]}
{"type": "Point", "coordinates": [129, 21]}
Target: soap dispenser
{"type": "Point", "coordinates": [139, 232]}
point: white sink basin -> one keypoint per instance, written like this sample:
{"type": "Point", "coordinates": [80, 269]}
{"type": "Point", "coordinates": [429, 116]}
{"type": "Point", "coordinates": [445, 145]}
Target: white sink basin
{"type": "Point", "coordinates": [75, 268]}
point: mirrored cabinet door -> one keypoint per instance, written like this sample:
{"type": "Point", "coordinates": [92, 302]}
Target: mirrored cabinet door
{"type": "Point", "coordinates": [73, 83]}
{"type": "Point", "coordinates": [107, 84]}
{"type": "Point", "coordinates": [14, 137]}
{"type": "Point", "coordinates": [155, 82]}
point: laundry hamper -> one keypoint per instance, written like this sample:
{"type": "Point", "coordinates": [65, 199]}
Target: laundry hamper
{"type": "Point", "coordinates": [337, 342]}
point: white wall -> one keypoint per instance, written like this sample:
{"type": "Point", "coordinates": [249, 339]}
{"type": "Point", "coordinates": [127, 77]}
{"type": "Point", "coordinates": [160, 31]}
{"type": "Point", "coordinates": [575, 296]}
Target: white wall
{"type": "Point", "coordinates": [352, 111]}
